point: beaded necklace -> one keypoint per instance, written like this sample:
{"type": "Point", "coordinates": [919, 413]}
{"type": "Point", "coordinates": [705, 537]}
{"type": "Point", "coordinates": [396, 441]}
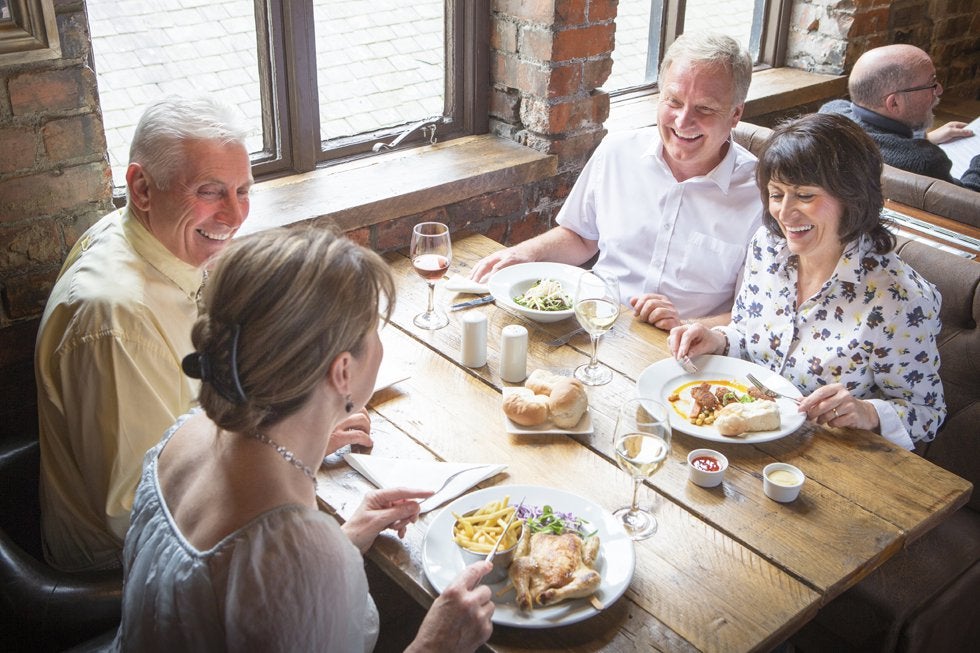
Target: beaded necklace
{"type": "Point", "coordinates": [287, 455]}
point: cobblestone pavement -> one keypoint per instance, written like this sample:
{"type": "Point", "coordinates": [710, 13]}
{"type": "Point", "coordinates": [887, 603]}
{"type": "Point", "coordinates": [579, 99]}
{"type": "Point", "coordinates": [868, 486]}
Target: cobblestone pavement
{"type": "Point", "coordinates": [380, 62]}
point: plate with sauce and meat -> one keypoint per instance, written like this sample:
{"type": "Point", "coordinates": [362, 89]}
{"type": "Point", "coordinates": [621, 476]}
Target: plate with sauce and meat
{"type": "Point", "coordinates": [667, 381]}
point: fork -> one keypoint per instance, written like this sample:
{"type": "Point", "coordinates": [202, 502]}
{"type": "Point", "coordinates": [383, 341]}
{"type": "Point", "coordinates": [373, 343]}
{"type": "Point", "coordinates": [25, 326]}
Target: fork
{"type": "Point", "coordinates": [688, 365]}
{"type": "Point", "coordinates": [769, 391]}
{"type": "Point", "coordinates": [449, 479]}
{"type": "Point", "coordinates": [561, 340]}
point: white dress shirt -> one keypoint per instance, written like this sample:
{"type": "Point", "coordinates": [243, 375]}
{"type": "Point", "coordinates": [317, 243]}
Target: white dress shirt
{"type": "Point", "coordinates": [685, 240]}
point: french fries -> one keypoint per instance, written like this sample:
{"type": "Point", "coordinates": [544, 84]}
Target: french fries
{"type": "Point", "coordinates": [478, 531]}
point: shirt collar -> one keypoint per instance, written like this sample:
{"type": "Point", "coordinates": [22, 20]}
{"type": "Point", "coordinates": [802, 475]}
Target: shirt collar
{"type": "Point", "coordinates": [185, 276]}
{"type": "Point", "coordinates": [720, 175]}
{"type": "Point", "coordinates": [880, 121]}
{"type": "Point", "coordinates": [852, 265]}
{"type": "Point", "coordinates": [850, 268]}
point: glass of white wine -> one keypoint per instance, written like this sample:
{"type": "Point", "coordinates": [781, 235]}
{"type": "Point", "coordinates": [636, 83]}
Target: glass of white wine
{"type": "Point", "coordinates": [431, 251]}
{"type": "Point", "coordinates": [641, 443]}
{"type": "Point", "coordinates": [596, 309]}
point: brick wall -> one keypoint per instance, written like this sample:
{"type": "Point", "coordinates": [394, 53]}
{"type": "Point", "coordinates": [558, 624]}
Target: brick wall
{"type": "Point", "coordinates": [54, 183]}
{"type": "Point", "coordinates": [548, 60]}
{"type": "Point", "coordinates": [827, 36]}
{"type": "Point", "coordinates": [54, 176]}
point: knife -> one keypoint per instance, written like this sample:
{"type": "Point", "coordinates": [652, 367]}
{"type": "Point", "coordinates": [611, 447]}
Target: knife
{"type": "Point", "coordinates": [510, 521]}
{"type": "Point", "coordinates": [479, 301]}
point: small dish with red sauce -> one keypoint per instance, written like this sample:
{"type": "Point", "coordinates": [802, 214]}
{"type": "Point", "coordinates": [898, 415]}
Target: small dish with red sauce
{"type": "Point", "coordinates": [706, 467]}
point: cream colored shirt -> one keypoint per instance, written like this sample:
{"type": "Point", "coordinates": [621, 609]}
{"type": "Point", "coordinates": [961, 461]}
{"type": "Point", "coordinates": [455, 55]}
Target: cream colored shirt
{"type": "Point", "coordinates": [114, 331]}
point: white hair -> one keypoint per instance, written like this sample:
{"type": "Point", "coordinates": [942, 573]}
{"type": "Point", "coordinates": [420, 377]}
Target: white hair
{"type": "Point", "coordinates": [165, 126]}
{"type": "Point", "coordinates": [717, 49]}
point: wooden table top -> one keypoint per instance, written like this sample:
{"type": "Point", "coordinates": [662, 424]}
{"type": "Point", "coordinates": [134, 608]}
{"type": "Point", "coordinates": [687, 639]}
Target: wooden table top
{"type": "Point", "coordinates": [728, 569]}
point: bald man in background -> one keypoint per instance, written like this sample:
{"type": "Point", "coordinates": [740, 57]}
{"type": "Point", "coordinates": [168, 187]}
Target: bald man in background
{"type": "Point", "coordinates": [893, 93]}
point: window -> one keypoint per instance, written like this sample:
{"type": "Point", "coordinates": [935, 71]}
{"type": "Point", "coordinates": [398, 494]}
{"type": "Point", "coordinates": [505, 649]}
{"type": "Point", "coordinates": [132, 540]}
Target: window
{"type": "Point", "coordinates": [28, 31]}
{"type": "Point", "coordinates": [645, 28]}
{"type": "Point", "coordinates": [319, 80]}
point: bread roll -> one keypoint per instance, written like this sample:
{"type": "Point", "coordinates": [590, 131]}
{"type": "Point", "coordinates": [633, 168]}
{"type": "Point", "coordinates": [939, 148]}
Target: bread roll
{"type": "Point", "coordinates": [568, 402]}
{"type": "Point", "coordinates": [736, 419]}
{"type": "Point", "coordinates": [525, 408]}
{"type": "Point", "coordinates": [542, 381]}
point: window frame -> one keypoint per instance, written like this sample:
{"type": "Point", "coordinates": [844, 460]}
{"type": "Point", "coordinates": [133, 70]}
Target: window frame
{"type": "Point", "coordinates": [288, 79]}
{"type": "Point", "coordinates": [770, 32]}
{"type": "Point", "coordinates": [30, 33]}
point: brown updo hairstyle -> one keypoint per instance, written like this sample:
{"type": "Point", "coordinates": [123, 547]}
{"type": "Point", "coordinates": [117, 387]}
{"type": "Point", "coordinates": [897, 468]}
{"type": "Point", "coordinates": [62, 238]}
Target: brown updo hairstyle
{"type": "Point", "coordinates": [297, 299]}
{"type": "Point", "coordinates": [834, 153]}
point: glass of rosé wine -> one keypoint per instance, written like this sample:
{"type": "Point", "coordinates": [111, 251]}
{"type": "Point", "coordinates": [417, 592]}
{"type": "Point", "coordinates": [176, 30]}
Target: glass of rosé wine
{"type": "Point", "coordinates": [431, 251]}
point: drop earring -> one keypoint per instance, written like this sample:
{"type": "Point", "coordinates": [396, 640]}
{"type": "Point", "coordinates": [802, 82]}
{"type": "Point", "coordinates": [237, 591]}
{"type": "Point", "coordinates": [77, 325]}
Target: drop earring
{"type": "Point", "coordinates": [349, 406]}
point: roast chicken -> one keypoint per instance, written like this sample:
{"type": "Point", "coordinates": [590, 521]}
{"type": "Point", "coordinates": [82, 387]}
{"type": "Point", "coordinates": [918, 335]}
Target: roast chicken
{"type": "Point", "coordinates": [551, 568]}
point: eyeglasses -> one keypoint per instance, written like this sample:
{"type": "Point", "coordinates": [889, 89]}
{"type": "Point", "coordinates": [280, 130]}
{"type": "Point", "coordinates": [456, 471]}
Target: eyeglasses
{"type": "Point", "coordinates": [931, 87]}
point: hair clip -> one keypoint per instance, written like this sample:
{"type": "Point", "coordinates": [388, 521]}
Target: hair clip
{"type": "Point", "coordinates": [236, 331]}
{"type": "Point", "coordinates": [197, 366]}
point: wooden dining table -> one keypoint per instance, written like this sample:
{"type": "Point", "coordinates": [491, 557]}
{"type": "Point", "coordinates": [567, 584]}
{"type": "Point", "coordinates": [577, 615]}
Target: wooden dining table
{"type": "Point", "coordinates": [728, 568]}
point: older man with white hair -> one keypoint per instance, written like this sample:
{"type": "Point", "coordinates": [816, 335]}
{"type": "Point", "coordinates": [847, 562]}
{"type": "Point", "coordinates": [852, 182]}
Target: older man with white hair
{"type": "Point", "coordinates": [894, 90]}
{"type": "Point", "coordinates": [118, 322]}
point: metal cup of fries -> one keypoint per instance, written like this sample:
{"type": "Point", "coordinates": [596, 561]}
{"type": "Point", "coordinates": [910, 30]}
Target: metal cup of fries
{"type": "Point", "coordinates": [477, 531]}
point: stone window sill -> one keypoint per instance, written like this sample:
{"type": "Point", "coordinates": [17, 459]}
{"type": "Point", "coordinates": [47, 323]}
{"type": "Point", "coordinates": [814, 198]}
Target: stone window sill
{"type": "Point", "coordinates": [365, 192]}
{"type": "Point", "coordinates": [369, 191]}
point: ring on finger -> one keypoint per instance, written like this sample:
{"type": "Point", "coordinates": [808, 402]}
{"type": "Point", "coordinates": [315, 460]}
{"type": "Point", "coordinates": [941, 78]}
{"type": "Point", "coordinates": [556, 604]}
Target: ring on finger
{"type": "Point", "coordinates": [836, 414]}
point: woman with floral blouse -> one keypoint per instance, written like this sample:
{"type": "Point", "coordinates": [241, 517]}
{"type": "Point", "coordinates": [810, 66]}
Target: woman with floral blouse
{"type": "Point", "coordinates": [824, 300]}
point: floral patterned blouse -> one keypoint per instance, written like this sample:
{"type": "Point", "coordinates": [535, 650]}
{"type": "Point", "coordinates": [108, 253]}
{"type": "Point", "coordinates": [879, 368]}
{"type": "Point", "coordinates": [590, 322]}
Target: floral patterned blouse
{"type": "Point", "coordinates": [872, 327]}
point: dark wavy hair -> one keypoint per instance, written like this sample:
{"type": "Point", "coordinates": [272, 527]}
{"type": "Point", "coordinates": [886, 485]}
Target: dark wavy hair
{"type": "Point", "coordinates": [834, 153]}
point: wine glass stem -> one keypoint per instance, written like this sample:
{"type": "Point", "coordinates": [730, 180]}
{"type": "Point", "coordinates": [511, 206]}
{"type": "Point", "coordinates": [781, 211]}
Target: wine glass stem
{"type": "Point", "coordinates": [432, 296]}
{"type": "Point", "coordinates": [595, 352]}
{"type": "Point", "coordinates": [636, 489]}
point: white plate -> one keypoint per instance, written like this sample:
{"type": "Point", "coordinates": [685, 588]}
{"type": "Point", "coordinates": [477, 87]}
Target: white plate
{"type": "Point", "coordinates": [442, 561]}
{"type": "Point", "coordinates": [584, 425]}
{"type": "Point", "coordinates": [514, 281]}
{"type": "Point", "coordinates": [663, 377]}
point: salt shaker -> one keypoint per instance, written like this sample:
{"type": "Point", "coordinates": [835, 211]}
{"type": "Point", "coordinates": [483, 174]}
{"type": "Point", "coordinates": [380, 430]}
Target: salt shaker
{"type": "Point", "coordinates": [513, 353]}
{"type": "Point", "coordinates": [473, 349]}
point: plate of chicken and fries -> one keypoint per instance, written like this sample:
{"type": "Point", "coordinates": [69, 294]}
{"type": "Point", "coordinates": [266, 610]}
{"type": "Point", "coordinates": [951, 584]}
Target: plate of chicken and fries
{"type": "Point", "coordinates": [669, 383]}
{"type": "Point", "coordinates": [602, 548]}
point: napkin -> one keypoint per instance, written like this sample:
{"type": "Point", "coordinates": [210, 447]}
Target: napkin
{"type": "Point", "coordinates": [422, 474]}
{"type": "Point", "coordinates": [458, 283]}
{"type": "Point", "coordinates": [388, 377]}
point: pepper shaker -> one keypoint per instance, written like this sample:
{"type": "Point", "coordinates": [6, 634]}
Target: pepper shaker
{"type": "Point", "coordinates": [473, 349]}
{"type": "Point", "coordinates": [513, 353]}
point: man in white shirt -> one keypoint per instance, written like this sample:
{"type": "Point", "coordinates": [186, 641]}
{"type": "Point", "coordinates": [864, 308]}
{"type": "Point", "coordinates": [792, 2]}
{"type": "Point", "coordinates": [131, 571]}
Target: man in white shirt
{"type": "Point", "coordinates": [670, 210]}
{"type": "Point", "coordinates": [118, 323]}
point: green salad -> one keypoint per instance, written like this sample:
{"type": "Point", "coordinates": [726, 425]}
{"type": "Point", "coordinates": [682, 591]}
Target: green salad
{"type": "Point", "coordinates": [546, 520]}
{"type": "Point", "coordinates": [545, 295]}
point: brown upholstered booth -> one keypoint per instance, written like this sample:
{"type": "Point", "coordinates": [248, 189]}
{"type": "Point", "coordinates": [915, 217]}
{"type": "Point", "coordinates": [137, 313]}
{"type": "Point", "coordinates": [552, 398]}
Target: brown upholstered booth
{"type": "Point", "coordinates": [42, 608]}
